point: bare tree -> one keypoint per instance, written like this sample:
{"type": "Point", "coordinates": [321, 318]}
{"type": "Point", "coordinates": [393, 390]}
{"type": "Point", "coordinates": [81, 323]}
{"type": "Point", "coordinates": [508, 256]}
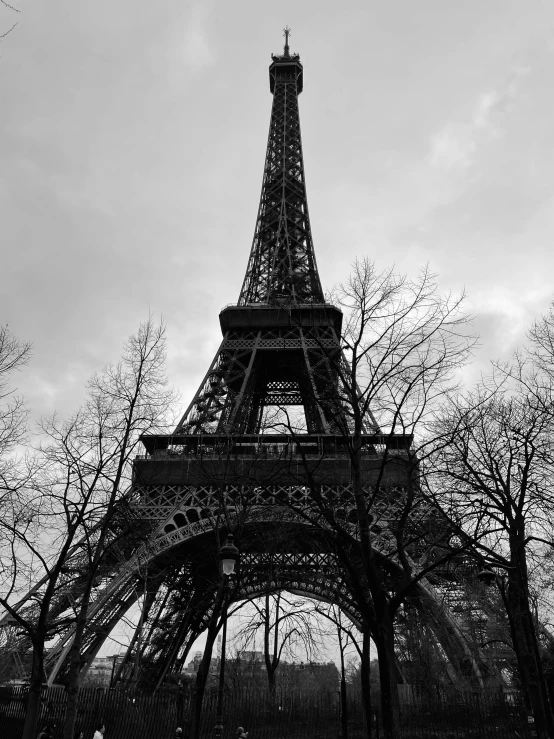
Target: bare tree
{"type": "Point", "coordinates": [14, 355]}
{"type": "Point", "coordinates": [402, 345]}
{"type": "Point", "coordinates": [14, 466]}
{"type": "Point", "coordinates": [342, 629]}
{"type": "Point", "coordinates": [349, 636]}
{"type": "Point", "coordinates": [14, 10]}
{"type": "Point", "coordinates": [541, 348]}
{"type": "Point", "coordinates": [74, 500]}
{"type": "Point", "coordinates": [492, 474]}
{"type": "Point", "coordinates": [215, 623]}
{"type": "Point", "coordinates": [287, 626]}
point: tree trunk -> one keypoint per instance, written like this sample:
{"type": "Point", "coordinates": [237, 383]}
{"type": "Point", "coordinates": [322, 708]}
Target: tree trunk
{"type": "Point", "coordinates": [201, 680]}
{"type": "Point", "coordinates": [73, 680]}
{"type": "Point", "coordinates": [271, 652]}
{"type": "Point", "coordinates": [545, 693]}
{"type": "Point", "coordinates": [366, 681]}
{"type": "Point", "coordinates": [384, 632]}
{"type": "Point", "coordinates": [204, 667]}
{"type": "Point", "coordinates": [272, 683]}
{"type": "Point", "coordinates": [343, 706]}
{"type": "Point", "coordinates": [524, 636]}
{"type": "Point", "coordinates": [390, 705]}
{"type": "Point", "coordinates": [32, 713]}
{"type": "Point", "coordinates": [74, 677]}
{"type": "Point", "coordinates": [530, 668]}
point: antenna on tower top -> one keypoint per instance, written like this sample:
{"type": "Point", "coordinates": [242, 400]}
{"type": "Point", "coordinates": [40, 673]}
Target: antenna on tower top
{"type": "Point", "coordinates": [286, 34]}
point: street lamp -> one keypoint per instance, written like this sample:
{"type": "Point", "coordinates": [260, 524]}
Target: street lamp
{"type": "Point", "coordinates": [487, 576]}
{"type": "Point", "coordinates": [228, 558]}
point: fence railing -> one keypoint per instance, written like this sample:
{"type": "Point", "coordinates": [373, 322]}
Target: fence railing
{"type": "Point", "coordinates": [285, 715]}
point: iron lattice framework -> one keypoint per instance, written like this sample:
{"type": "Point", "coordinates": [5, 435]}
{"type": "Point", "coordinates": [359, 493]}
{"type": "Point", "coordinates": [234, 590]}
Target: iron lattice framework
{"type": "Point", "coordinates": [282, 267]}
{"type": "Point", "coordinates": [280, 348]}
{"type": "Point", "coordinates": [281, 341]}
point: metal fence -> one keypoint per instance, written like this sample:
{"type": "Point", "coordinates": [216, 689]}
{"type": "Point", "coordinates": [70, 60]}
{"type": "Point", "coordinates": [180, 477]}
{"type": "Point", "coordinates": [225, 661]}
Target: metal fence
{"type": "Point", "coordinates": [284, 716]}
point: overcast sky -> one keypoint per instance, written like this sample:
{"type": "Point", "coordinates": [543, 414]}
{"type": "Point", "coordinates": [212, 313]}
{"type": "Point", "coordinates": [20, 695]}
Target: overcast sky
{"type": "Point", "coordinates": [132, 147]}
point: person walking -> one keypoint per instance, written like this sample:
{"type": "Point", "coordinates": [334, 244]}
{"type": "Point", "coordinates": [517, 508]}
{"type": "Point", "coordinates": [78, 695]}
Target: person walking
{"type": "Point", "coordinates": [178, 733]}
{"type": "Point", "coordinates": [241, 733]}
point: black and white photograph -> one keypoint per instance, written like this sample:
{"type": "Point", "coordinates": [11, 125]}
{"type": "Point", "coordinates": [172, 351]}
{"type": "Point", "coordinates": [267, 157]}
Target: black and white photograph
{"type": "Point", "coordinates": [277, 369]}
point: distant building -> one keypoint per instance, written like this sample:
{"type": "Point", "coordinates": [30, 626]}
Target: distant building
{"type": "Point", "coordinates": [247, 670]}
{"type": "Point", "coordinates": [194, 664]}
{"type": "Point", "coordinates": [252, 656]}
{"type": "Point", "coordinates": [101, 669]}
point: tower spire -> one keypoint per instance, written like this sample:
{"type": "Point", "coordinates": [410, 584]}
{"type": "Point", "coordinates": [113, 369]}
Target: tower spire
{"type": "Point", "coordinates": [286, 34]}
{"type": "Point", "coordinates": [282, 267]}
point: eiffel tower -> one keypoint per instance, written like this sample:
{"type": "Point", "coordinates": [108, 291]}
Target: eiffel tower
{"type": "Point", "coordinates": [280, 338]}
{"type": "Point", "coordinates": [279, 352]}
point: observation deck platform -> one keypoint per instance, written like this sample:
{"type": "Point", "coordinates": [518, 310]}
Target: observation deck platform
{"type": "Point", "coordinates": [263, 316]}
{"type": "Point", "coordinates": [269, 459]}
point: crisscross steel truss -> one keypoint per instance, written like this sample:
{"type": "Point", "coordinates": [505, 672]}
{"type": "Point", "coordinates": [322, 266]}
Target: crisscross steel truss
{"type": "Point", "coordinates": [275, 366]}
{"type": "Point", "coordinates": [282, 264]}
{"type": "Point", "coordinates": [281, 335]}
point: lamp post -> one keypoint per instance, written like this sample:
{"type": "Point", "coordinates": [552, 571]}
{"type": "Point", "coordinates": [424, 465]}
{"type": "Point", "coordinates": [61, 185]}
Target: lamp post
{"type": "Point", "coordinates": [228, 558]}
